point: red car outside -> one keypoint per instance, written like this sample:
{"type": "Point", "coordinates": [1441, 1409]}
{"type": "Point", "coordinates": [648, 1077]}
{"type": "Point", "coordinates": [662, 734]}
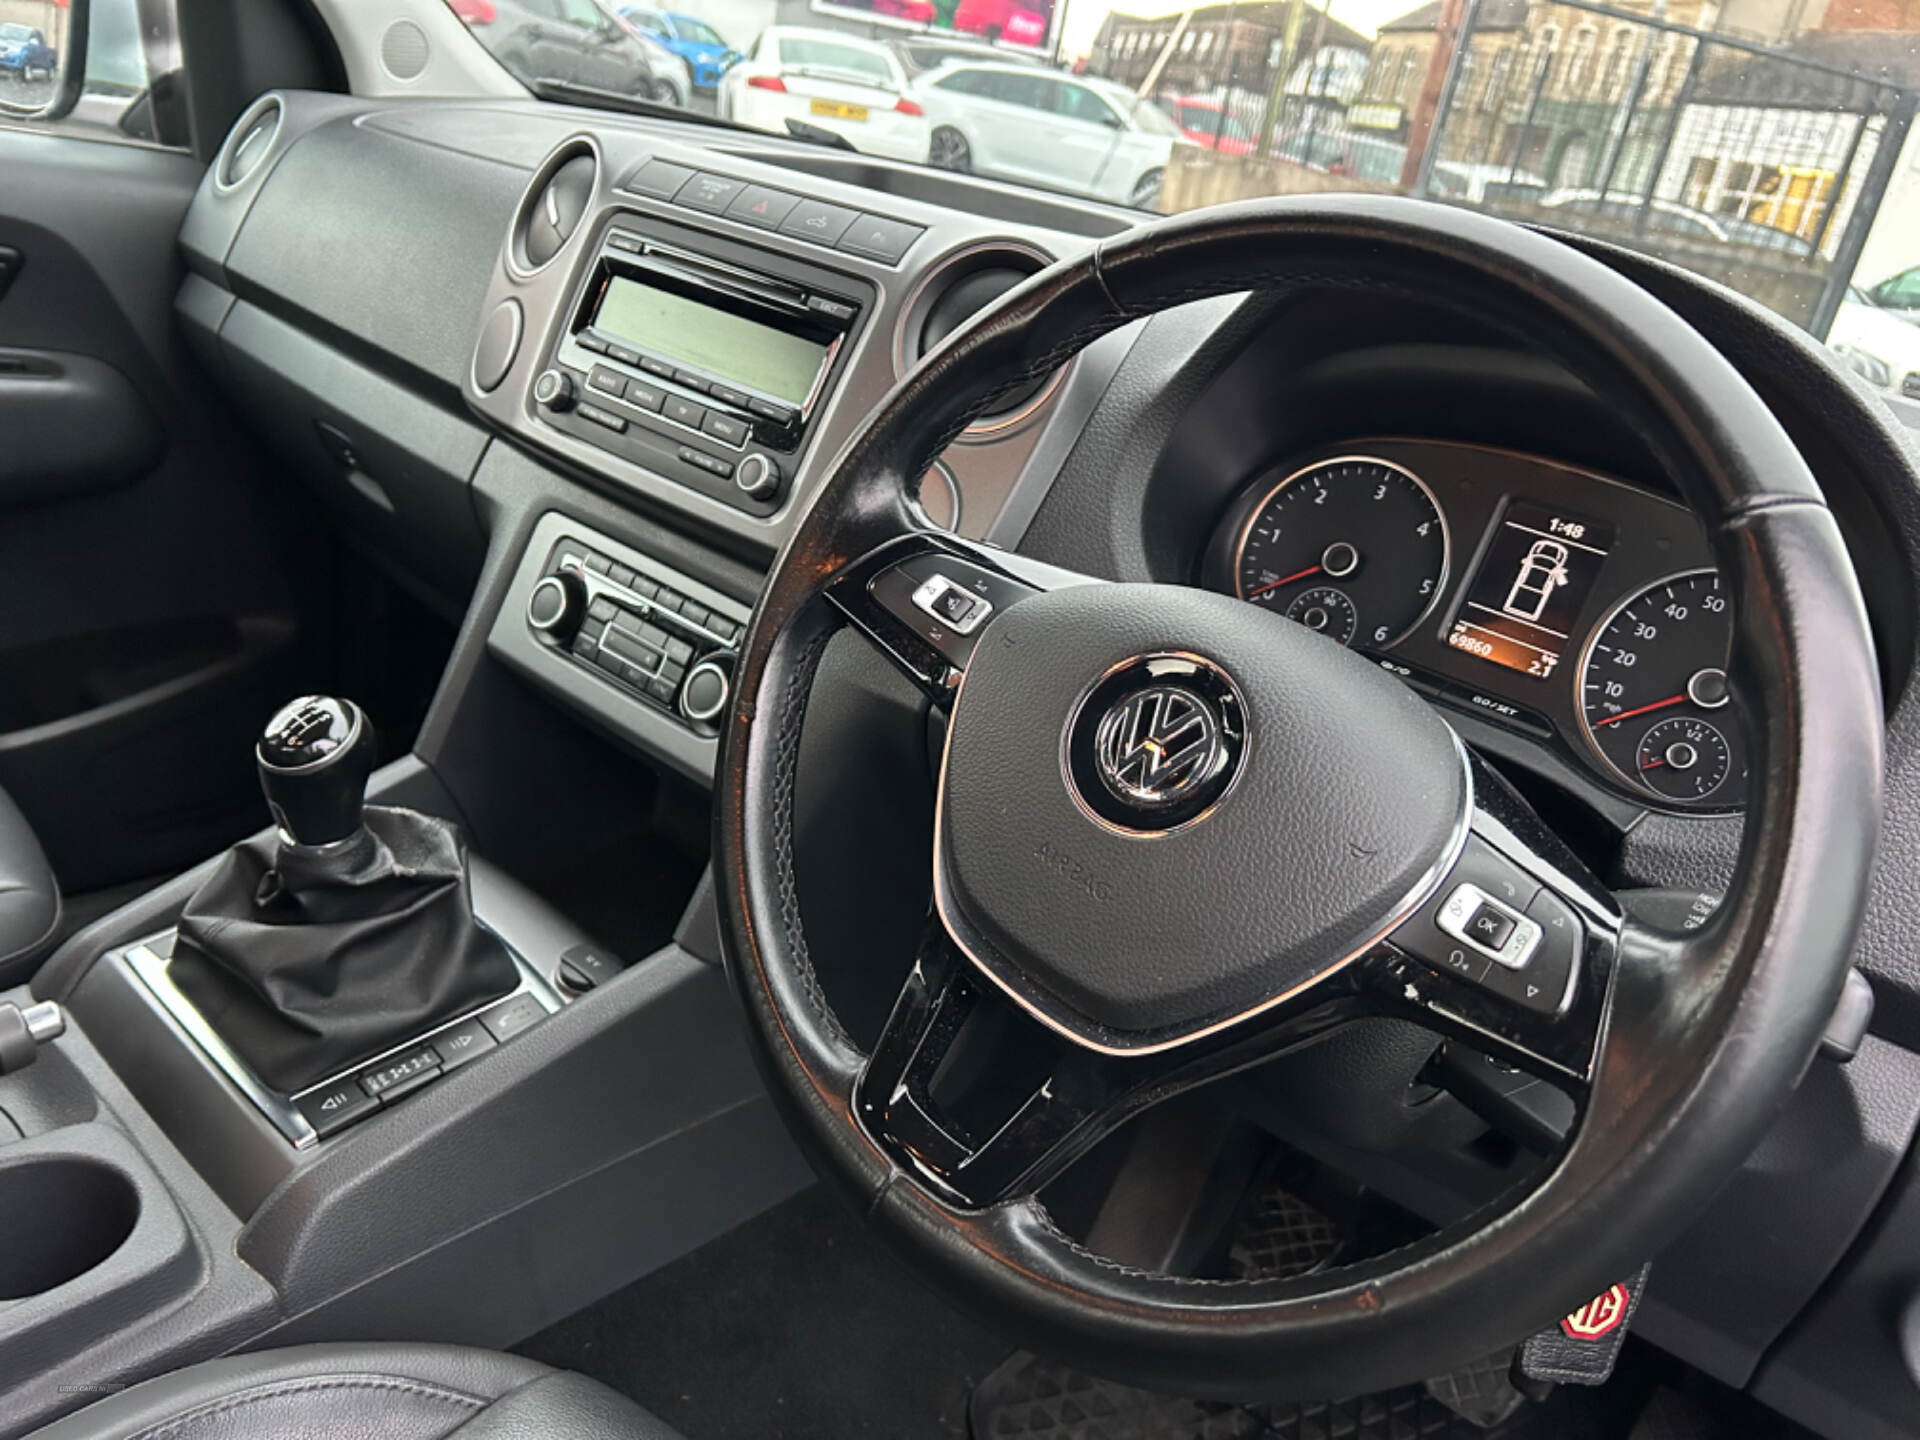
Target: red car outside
{"type": "Point", "coordinates": [1200, 121]}
{"type": "Point", "coordinates": [1001, 20]}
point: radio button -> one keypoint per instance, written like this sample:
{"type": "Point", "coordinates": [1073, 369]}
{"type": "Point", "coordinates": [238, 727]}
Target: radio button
{"type": "Point", "coordinates": [699, 384]}
{"type": "Point", "coordinates": [711, 193]}
{"type": "Point", "coordinates": [757, 205]}
{"type": "Point", "coordinates": [624, 240]}
{"type": "Point", "coordinates": [623, 354]}
{"type": "Point", "coordinates": [878, 238]}
{"type": "Point", "coordinates": [832, 309]}
{"type": "Point", "coordinates": [684, 411]}
{"type": "Point", "coordinates": [647, 397]}
{"type": "Point", "coordinates": [767, 410]}
{"type": "Point", "coordinates": [658, 178]}
{"type": "Point", "coordinates": [587, 340]}
{"type": "Point", "coordinates": [608, 381]}
{"type": "Point", "coordinates": [654, 365]}
{"type": "Point", "coordinates": [603, 418]}
{"type": "Point", "coordinates": [726, 427]}
{"type": "Point", "coordinates": [819, 222]}
{"type": "Point", "coordinates": [726, 395]}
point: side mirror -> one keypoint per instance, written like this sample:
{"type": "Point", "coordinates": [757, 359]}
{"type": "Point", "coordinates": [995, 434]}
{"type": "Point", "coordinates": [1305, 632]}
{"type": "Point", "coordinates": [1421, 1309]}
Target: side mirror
{"type": "Point", "coordinates": [44, 67]}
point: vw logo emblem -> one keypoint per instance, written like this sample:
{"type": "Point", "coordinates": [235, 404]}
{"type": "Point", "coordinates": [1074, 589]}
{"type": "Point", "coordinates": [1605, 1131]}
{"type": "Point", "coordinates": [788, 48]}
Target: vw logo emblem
{"type": "Point", "coordinates": [1155, 743]}
{"type": "Point", "coordinates": [1158, 744]}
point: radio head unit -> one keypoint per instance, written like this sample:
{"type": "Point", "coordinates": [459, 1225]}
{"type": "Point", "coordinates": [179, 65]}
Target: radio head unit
{"type": "Point", "coordinates": [695, 365]}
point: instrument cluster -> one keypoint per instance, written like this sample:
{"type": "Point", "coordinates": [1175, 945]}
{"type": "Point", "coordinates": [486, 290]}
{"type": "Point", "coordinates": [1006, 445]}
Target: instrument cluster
{"type": "Point", "coordinates": [1581, 611]}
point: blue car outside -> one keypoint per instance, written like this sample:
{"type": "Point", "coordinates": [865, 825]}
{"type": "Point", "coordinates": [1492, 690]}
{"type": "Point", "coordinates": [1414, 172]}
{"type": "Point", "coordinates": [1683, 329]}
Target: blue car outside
{"type": "Point", "coordinates": [692, 39]}
{"type": "Point", "coordinates": [24, 50]}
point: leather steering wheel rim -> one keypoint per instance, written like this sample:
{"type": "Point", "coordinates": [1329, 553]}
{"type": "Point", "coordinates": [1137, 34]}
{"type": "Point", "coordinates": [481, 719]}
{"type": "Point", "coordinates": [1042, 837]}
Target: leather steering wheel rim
{"type": "Point", "coordinates": [1704, 1035]}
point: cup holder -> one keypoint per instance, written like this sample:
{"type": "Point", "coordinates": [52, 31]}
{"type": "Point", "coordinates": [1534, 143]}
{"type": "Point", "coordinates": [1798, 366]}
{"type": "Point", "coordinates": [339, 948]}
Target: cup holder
{"type": "Point", "coordinates": [62, 1216]}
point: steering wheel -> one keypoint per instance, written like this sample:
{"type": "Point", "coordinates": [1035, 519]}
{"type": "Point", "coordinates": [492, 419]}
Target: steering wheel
{"type": "Point", "coordinates": [1177, 835]}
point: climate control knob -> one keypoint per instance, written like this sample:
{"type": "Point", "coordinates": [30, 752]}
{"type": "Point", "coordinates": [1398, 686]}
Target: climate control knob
{"type": "Point", "coordinates": [758, 476]}
{"type": "Point", "coordinates": [554, 389]}
{"type": "Point", "coordinates": [557, 606]}
{"type": "Point", "coordinates": [703, 697]}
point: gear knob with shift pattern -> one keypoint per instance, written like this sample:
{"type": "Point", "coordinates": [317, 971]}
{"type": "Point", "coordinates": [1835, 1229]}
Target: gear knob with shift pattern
{"type": "Point", "coordinates": [349, 931]}
{"type": "Point", "coordinates": [314, 758]}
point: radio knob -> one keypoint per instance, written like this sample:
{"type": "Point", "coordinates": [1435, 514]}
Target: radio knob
{"type": "Point", "coordinates": [758, 476]}
{"type": "Point", "coordinates": [704, 694]}
{"type": "Point", "coordinates": [556, 606]}
{"type": "Point", "coordinates": [554, 389]}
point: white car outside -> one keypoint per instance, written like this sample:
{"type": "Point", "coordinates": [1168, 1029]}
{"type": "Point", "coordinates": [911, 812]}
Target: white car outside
{"type": "Point", "coordinates": [1066, 132]}
{"type": "Point", "coordinates": [852, 87]}
{"type": "Point", "coordinates": [1877, 345]}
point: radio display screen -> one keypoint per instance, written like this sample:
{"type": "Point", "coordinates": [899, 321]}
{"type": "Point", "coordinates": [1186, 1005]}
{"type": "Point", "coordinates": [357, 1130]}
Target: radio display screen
{"type": "Point", "coordinates": [1535, 576]}
{"type": "Point", "coordinates": [705, 337]}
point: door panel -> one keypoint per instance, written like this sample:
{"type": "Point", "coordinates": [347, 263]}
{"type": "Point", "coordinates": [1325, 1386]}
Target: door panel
{"type": "Point", "coordinates": [147, 590]}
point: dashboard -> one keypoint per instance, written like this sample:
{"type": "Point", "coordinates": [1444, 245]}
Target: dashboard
{"type": "Point", "coordinates": [1580, 612]}
{"type": "Point", "coordinates": [604, 363]}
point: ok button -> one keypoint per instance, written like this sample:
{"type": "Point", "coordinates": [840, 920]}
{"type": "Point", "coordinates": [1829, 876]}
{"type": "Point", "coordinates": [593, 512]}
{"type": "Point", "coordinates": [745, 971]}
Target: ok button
{"type": "Point", "coordinates": [1489, 927]}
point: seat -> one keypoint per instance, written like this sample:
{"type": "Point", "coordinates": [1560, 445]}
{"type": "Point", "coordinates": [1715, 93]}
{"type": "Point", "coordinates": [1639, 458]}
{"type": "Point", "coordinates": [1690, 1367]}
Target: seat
{"type": "Point", "coordinates": [29, 898]}
{"type": "Point", "coordinates": [364, 1392]}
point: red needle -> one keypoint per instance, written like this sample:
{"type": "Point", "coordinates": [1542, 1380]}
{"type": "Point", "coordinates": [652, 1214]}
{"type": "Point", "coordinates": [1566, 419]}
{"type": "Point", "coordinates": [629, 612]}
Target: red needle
{"type": "Point", "coordinates": [1653, 763]}
{"type": "Point", "coordinates": [1284, 580]}
{"type": "Point", "coordinates": [1656, 705]}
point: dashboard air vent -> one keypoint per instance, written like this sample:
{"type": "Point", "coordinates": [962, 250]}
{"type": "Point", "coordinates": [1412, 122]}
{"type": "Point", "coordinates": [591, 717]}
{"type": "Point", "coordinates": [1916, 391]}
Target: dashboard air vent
{"type": "Point", "coordinates": [250, 143]}
{"type": "Point", "coordinates": [956, 293]}
{"type": "Point", "coordinates": [555, 205]}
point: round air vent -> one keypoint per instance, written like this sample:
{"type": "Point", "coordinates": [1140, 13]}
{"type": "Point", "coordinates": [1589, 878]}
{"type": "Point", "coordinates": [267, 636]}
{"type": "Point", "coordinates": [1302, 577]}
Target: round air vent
{"type": "Point", "coordinates": [404, 50]}
{"type": "Point", "coordinates": [555, 203]}
{"type": "Point", "coordinates": [953, 295]}
{"type": "Point", "coordinates": [251, 142]}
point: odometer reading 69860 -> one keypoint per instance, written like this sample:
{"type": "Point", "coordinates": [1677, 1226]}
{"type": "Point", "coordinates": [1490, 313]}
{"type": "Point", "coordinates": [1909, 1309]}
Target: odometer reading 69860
{"type": "Point", "coordinates": [1354, 548]}
{"type": "Point", "coordinates": [1654, 697]}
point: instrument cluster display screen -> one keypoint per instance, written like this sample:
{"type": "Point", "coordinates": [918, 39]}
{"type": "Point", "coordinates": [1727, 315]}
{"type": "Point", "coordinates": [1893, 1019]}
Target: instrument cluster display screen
{"type": "Point", "coordinates": [1534, 575]}
{"type": "Point", "coordinates": [704, 337]}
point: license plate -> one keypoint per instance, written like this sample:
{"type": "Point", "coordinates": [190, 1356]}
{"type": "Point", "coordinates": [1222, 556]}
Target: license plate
{"type": "Point", "coordinates": [840, 110]}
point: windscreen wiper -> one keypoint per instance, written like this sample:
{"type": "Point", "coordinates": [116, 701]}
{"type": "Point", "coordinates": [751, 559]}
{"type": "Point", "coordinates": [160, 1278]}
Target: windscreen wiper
{"type": "Point", "coordinates": [820, 135]}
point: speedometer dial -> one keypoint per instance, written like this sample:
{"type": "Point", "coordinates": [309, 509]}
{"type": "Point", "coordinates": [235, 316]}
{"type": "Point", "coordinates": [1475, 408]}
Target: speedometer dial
{"type": "Point", "coordinates": [1354, 547]}
{"type": "Point", "coordinates": [1653, 694]}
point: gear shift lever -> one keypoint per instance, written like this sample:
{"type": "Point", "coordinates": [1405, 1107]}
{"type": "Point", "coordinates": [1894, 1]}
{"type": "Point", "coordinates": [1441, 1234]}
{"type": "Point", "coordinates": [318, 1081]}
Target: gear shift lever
{"type": "Point", "coordinates": [349, 931]}
{"type": "Point", "coordinates": [314, 761]}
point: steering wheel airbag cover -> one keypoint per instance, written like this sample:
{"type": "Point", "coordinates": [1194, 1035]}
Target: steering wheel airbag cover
{"type": "Point", "coordinates": [1350, 801]}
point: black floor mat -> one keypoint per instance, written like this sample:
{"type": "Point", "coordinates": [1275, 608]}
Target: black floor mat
{"type": "Point", "coordinates": [796, 1326]}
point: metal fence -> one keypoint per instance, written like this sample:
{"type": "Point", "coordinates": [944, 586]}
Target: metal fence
{"type": "Point", "coordinates": [1758, 168]}
{"type": "Point", "coordinates": [1754, 164]}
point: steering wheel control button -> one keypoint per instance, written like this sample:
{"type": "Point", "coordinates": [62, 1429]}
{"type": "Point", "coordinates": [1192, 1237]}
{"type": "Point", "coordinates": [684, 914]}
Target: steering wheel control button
{"type": "Point", "coordinates": [1439, 932]}
{"type": "Point", "coordinates": [334, 1107]}
{"type": "Point", "coordinates": [895, 589]}
{"type": "Point", "coordinates": [1156, 742]}
{"type": "Point", "coordinates": [1503, 935]}
{"type": "Point", "coordinates": [946, 601]}
{"type": "Point", "coordinates": [1543, 985]}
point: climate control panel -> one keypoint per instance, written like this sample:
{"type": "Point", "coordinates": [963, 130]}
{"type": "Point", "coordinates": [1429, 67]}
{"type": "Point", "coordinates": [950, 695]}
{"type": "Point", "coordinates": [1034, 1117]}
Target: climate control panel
{"type": "Point", "coordinates": [641, 627]}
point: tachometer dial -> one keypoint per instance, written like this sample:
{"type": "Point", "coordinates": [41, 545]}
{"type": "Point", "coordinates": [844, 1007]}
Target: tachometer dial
{"type": "Point", "coordinates": [1355, 544]}
{"type": "Point", "coordinates": [1653, 693]}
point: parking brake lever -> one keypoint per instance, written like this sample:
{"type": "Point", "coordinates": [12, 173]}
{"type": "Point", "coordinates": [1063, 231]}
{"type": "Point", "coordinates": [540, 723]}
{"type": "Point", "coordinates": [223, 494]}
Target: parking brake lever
{"type": "Point", "coordinates": [23, 1032]}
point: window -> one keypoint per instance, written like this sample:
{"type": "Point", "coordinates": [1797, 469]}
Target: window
{"type": "Point", "coordinates": [697, 31]}
{"type": "Point", "coordinates": [584, 13]}
{"type": "Point", "coordinates": [807, 53]}
{"type": "Point", "coordinates": [1076, 102]}
{"type": "Point", "coordinates": [651, 23]}
{"type": "Point", "coordinates": [1497, 74]}
{"type": "Point", "coordinates": [1404, 88]}
{"type": "Point", "coordinates": [122, 62]}
{"type": "Point", "coordinates": [1580, 62]}
{"type": "Point", "coordinates": [1186, 43]}
{"type": "Point", "coordinates": [1613, 73]}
